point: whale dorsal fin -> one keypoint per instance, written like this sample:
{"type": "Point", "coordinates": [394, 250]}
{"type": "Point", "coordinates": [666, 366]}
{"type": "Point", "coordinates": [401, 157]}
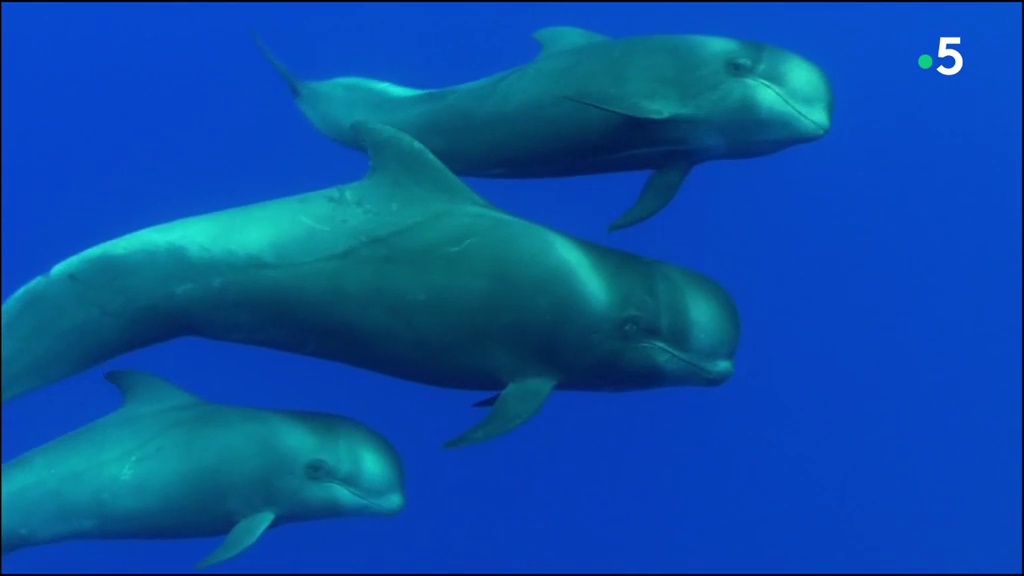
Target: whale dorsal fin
{"type": "Point", "coordinates": [558, 38]}
{"type": "Point", "coordinates": [407, 170]}
{"type": "Point", "coordinates": [143, 391]}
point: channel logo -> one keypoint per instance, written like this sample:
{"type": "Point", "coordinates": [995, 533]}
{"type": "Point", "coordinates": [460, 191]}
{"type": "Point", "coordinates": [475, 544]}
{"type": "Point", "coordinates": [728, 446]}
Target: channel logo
{"type": "Point", "coordinates": [925, 61]}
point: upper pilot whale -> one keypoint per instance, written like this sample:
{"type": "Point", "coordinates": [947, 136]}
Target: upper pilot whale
{"type": "Point", "coordinates": [169, 464]}
{"type": "Point", "coordinates": [406, 272]}
{"type": "Point", "coordinates": [590, 104]}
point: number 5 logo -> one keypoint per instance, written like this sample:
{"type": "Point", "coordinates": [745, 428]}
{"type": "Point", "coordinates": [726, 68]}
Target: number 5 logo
{"type": "Point", "coordinates": [945, 50]}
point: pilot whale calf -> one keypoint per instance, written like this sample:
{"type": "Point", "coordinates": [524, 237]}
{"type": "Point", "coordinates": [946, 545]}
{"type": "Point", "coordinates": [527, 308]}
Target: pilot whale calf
{"type": "Point", "coordinates": [407, 273]}
{"type": "Point", "coordinates": [169, 464]}
{"type": "Point", "coordinates": [590, 104]}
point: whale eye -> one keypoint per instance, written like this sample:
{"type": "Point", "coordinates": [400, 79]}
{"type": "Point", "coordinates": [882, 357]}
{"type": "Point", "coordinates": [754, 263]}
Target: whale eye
{"type": "Point", "coordinates": [630, 326]}
{"type": "Point", "coordinates": [318, 469]}
{"type": "Point", "coordinates": [740, 66]}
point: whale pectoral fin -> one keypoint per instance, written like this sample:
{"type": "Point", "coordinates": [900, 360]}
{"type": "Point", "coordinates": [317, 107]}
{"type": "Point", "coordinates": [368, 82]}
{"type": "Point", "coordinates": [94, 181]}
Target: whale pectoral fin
{"type": "Point", "coordinates": [520, 401]}
{"type": "Point", "coordinates": [243, 535]}
{"type": "Point", "coordinates": [489, 401]}
{"type": "Point", "coordinates": [661, 187]}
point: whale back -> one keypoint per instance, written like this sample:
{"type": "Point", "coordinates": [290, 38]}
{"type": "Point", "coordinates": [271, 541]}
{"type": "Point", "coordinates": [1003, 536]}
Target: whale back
{"type": "Point", "coordinates": [139, 289]}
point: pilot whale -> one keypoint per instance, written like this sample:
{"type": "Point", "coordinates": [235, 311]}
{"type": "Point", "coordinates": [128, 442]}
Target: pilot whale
{"type": "Point", "coordinates": [169, 464]}
{"type": "Point", "coordinates": [406, 272]}
{"type": "Point", "coordinates": [591, 104]}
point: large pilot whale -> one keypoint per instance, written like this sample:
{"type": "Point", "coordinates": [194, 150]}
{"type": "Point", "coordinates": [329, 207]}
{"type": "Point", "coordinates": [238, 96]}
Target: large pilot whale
{"type": "Point", "coordinates": [591, 104]}
{"type": "Point", "coordinates": [169, 464]}
{"type": "Point", "coordinates": [406, 272]}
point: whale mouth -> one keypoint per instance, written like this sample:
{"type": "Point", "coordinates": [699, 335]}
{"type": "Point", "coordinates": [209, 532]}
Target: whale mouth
{"type": "Point", "coordinates": [715, 372]}
{"type": "Point", "coordinates": [820, 128]}
{"type": "Point", "coordinates": [364, 499]}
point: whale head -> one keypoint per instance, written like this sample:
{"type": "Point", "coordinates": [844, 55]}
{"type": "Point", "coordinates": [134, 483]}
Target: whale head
{"type": "Point", "coordinates": [673, 327]}
{"type": "Point", "coordinates": [747, 99]}
{"type": "Point", "coordinates": [343, 468]}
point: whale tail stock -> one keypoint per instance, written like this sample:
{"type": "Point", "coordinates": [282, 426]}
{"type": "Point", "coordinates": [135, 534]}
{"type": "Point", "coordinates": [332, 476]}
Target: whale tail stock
{"type": "Point", "coordinates": [12, 537]}
{"type": "Point", "coordinates": [294, 84]}
{"type": "Point", "coordinates": [332, 105]}
{"type": "Point", "coordinates": [90, 308]}
{"type": "Point", "coordinates": [49, 333]}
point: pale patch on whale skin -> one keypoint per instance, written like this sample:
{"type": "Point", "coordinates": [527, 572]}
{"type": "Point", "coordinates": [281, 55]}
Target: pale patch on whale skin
{"type": "Point", "coordinates": [591, 281]}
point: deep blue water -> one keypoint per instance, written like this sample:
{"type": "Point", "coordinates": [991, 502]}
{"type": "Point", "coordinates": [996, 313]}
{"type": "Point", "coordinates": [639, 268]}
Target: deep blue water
{"type": "Point", "coordinates": [874, 421]}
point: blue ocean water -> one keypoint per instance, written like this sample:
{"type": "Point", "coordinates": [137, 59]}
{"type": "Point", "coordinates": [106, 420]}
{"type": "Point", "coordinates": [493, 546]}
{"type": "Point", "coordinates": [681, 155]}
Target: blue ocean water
{"type": "Point", "coordinates": [873, 423]}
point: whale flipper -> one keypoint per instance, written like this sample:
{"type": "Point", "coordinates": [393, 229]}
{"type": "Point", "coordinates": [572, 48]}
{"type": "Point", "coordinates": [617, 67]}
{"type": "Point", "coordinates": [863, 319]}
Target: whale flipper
{"type": "Point", "coordinates": [520, 401]}
{"type": "Point", "coordinates": [659, 190]}
{"type": "Point", "coordinates": [243, 535]}
{"type": "Point", "coordinates": [558, 38]}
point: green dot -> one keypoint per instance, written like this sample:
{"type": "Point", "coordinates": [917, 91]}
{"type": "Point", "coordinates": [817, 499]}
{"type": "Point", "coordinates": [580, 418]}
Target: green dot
{"type": "Point", "coordinates": [925, 61]}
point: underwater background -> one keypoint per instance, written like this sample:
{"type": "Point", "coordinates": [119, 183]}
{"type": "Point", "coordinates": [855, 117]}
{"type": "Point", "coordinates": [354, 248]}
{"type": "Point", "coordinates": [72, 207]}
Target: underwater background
{"type": "Point", "coordinates": [874, 420]}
